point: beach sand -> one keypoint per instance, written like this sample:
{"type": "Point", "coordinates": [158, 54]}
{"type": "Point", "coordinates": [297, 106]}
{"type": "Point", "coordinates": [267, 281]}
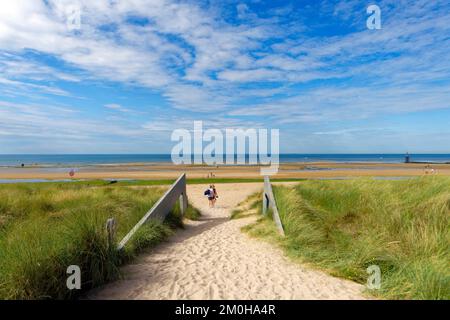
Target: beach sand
{"type": "Point", "coordinates": [212, 259]}
{"type": "Point", "coordinates": [169, 171]}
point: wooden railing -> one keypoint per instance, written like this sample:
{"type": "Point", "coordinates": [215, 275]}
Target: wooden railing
{"type": "Point", "coordinates": [270, 203]}
{"type": "Point", "coordinates": [159, 211]}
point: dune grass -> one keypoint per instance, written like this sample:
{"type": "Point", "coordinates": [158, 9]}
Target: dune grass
{"type": "Point", "coordinates": [44, 228]}
{"type": "Point", "coordinates": [346, 226]}
{"type": "Point", "coordinates": [192, 213]}
{"type": "Point", "coordinates": [247, 207]}
{"type": "Point", "coordinates": [155, 182]}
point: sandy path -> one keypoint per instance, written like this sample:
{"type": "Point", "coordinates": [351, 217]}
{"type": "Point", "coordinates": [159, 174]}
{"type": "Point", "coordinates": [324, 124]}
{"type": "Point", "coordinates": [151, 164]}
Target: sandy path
{"type": "Point", "coordinates": [213, 259]}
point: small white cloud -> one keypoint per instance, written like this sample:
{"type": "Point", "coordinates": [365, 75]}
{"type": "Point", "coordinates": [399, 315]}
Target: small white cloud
{"type": "Point", "coordinates": [117, 107]}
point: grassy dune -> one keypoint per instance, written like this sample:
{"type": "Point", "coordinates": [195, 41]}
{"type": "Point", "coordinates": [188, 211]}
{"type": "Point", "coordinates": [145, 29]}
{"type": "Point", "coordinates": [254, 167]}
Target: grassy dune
{"type": "Point", "coordinates": [248, 207]}
{"type": "Point", "coordinates": [346, 226]}
{"type": "Point", "coordinates": [44, 228]}
{"type": "Point", "coordinates": [158, 182]}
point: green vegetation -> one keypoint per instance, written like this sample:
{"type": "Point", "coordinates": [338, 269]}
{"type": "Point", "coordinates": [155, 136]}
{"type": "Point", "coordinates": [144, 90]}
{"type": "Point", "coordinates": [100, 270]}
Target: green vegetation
{"type": "Point", "coordinates": [346, 226]}
{"type": "Point", "coordinates": [247, 207]}
{"type": "Point", "coordinates": [45, 227]}
{"type": "Point", "coordinates": [101, 183]}
{"type": "Point", "coordinates": [236, 180]}
{"type": "Point", "coordinates": [192, 213]}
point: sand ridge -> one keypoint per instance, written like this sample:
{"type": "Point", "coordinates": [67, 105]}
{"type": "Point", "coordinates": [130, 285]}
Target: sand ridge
{"type": "Point", "coordinates": [212, 259]}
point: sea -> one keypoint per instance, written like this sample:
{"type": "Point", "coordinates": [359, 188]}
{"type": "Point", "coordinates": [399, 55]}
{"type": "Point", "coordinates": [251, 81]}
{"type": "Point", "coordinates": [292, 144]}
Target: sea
{"type": "Point", "coordinates": [13, 160]}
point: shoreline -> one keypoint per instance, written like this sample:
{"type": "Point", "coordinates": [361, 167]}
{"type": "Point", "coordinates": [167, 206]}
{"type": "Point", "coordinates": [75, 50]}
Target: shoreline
{"type": "Point", "coordinates": [88, 160]}
{"type": "Point", "coordinates": [158, 171]}
{"type": "Point", "coordinates": [164, 163]}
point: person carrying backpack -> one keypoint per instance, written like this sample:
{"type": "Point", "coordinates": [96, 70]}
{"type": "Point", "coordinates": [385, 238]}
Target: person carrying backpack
{"type": "Point", "coordinates": [216, 195]}
{"type": "Point", "coordinates": [211, 194]}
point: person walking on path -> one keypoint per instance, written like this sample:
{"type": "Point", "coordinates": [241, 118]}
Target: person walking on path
{"type": "Point", "coordinates": [216, 195]}
{"type": "Point", "coordinates": [211, 193]}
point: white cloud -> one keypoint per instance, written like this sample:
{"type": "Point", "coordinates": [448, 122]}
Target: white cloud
{"type": "Point", "coordinates": [210, 54]}
{"type": "Point", "coordinates": [199, 61]}
{"type": "Point", "coordinates": [116, 107]}
{"type": "Point", "coordinates": [349, 103]}
{"type": "Point", "coordinates": [57, 121]}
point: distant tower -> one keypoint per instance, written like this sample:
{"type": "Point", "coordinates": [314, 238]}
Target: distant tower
{"type": "Point", "coordinates": [407, 158]}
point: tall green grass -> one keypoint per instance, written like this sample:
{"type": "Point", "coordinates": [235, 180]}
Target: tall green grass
{"type": "Point", "coordinates": [153, 182]}
{"type": "Point", "coordinates": [44, 228]}
{"type": "Point", "coordinates": [346, 226]}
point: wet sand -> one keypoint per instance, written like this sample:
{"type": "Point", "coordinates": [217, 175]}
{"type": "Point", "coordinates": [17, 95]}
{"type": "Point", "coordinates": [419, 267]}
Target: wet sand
{"type": "Point", "coordinates": [212, 259]}
{"type": "Point", "coordinates": [169, 171]}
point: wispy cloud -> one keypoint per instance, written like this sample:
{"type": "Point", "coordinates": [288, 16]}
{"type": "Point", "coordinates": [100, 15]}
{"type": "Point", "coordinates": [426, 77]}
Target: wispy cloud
{"type": "Point", "coordinates": [308, 63]}
{"type": "Point", "coordinates": [116, 107]}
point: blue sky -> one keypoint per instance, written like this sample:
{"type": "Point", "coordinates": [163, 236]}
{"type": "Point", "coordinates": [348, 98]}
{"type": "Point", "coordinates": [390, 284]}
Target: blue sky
{"type": "Point", "coordinates": [136, 70]}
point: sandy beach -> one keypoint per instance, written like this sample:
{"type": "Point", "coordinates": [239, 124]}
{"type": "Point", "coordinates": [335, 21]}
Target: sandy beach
{"type": "Point", "coordinates": [169, 171]}
{"type": "Point", "coordinates": [212, 259]}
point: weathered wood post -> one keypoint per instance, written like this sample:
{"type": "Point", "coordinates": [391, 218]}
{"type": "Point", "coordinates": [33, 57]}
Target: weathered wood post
{"type": "Point", "coordinates": [265, 196]}
{"type": "Point", "coordinates": [270, 201]}
{"type": "Point", "coordinates": [183, 203]}
{"type": "Point", "coordinates": [111, 231]}
{"type": "Point", "coordinates": [266, 203]}
{"type": "Point", "coordinates": [183, 195]}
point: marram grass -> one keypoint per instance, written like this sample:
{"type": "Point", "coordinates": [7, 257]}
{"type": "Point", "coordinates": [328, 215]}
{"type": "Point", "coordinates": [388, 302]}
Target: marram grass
{"type": "Point", "coordinates": [346, 226]}
{"type": "Point", "coordinates": [44, 228]}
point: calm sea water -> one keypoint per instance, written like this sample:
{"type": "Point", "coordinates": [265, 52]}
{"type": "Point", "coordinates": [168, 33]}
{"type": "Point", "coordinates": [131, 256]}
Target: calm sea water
{"type": "Point", "coordinates": [92, 159]}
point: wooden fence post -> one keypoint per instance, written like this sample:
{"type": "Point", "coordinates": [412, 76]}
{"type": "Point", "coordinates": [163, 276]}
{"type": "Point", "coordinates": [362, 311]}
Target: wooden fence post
{"type": "Point", "coordinates": [265, 203]}
{"type": "Point", "coordinates": [111, 231]}
{"type": "Point", "coordinates": [265, 195]}
{"type": "Point", "coordinates": [183, 203]}
{"type": "Point", "coordinates": [269, 201]}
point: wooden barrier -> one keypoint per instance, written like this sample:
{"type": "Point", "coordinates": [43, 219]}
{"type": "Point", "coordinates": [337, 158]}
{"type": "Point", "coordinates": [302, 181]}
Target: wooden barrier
{"type": "Point", "coordinates": [269, 202]}
{"type": "Point", "coordinates": [161, 208]}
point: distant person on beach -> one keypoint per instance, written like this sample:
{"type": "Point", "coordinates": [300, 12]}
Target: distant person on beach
{"type": "Point", "coordinates": [215, 195]}
{"type": "Point", "coordinates": [211, 193]}
{"type": "Point", "coordinates": [429, 169]}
